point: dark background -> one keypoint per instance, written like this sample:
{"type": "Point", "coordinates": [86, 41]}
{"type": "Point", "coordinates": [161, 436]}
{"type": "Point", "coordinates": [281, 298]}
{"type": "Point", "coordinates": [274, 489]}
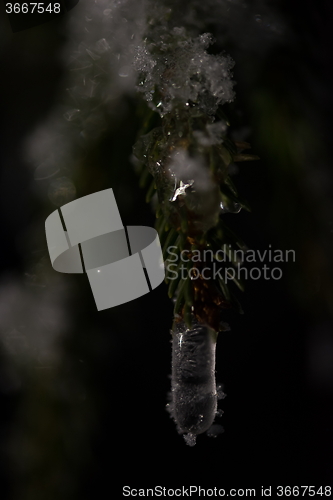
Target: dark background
{"type": "Point", "coordinates": [96, 419]}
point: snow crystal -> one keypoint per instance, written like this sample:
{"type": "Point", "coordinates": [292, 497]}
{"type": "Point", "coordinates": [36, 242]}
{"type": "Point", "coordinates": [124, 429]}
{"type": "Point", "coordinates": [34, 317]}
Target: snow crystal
{"type": "Point", "coordinates": [180, 69]}
{"type": "Point", "coordinates": [190, 439]}
{"type": "Point", "coordinates": [220, 393]}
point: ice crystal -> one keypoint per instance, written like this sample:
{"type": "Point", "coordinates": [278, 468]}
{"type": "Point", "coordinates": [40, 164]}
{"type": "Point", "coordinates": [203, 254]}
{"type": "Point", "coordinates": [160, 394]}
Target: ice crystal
{"type": "Point", "coordinates": [194, 397]}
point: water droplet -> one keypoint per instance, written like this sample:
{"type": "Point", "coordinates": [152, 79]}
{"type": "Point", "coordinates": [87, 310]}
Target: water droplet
{"type": "Point", "coordinates": [228, 206]}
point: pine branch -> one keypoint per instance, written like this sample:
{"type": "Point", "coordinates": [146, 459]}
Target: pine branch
{"type": "Point", "coordinates": [183, 156]}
